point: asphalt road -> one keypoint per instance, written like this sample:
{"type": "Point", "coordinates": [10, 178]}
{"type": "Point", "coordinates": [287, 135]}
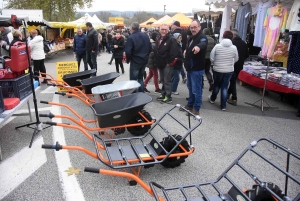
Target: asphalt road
{"type": "Point", "coordinates": [221, 137]}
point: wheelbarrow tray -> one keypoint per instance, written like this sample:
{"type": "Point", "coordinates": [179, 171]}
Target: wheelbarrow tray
{"type": "Point", "coordinates": [88, 84]}
{"type": "Point", "coordinates": [112, 90]}
{"type": "Point", "coordinates": [73, 79]}
{"type": "Point", "coordinates": [118, 111]}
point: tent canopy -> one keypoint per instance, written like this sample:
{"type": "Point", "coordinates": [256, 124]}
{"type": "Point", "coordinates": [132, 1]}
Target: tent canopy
{"type": "Point", "coordinates": [180, 17]}
{"type": "Point", "coordinates": [204, 10]}
{"type": "Point", "coordinates": [164, 18]}
{"type": "Point", "coordinates": [145, 24]}
{"type": "Point", "coordinates": [235, 3]}
{"type": "Point", "coordinates": [96, 22]}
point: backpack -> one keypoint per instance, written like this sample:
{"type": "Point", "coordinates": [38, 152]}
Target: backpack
{"type": "Point", "coordinates": [46, 47]}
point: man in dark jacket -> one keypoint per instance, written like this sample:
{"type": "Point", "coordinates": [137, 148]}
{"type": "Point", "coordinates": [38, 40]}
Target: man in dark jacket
{"type": "Point", "coordinates": [92, 46]}
{"type": "Point", "coordinates": [137, 49]}
{"type": "Point", "coordinates": [242, 49]}
{"type": "Point", "coordinates": [79, 48]}
{"type": "Point", "coordinates": [210, 46]}
{"type": "Point", "coordinates": [165, 54]}
{"type": "Point", "coordinates": [194, 63]}
{"type": "Point", "coordinates": [176, 29]}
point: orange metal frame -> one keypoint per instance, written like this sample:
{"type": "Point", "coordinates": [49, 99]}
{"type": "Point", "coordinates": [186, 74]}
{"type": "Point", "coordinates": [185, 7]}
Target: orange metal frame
{"type": "Point", "coordinates": [81, 122]}
{"type": "Point", "coordinates": [135, 171]}
{"type": "Point", "coordinates": [73, 91]}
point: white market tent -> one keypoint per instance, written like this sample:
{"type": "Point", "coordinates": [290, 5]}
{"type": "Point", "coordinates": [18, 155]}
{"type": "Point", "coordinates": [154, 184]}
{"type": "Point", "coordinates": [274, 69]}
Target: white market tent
{"type": "Point", "coordinates": [164, 18]}
{"type": "Point", "coordinates": [209, 9]}
{"type": "Point", "coordinates": [97, 23]}
{"type": "Point", "coordinates": [235, 3]}
{"type": "Point", "coordinates": [97, 20]}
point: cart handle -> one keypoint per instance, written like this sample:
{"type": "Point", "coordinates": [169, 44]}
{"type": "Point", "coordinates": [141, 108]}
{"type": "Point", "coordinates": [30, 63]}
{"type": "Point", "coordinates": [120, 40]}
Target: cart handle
{"type": "Point", "coordinates": [57, 146]}
{"type": "Point", "coordinates": [60, 93]}
{"type": "Point", "coordinates": [44, 102]}
{"type": "Point", "coordinates": [54, 123]}
{"type": "Point", "coordinates": [55, 85]}
{"type": "Point", "coordinates": [50, 115]}
{"type": "Point", "coordinates": [92, 170]}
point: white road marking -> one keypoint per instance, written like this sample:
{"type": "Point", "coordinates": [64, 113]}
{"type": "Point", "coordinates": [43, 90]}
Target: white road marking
{"type": "Point", "coordinates": [49, 90]}
{"type": "Point", "coordinates": [20, 166]}
{"type": "Point", "coordinates": [32, 110]}
{"type": "Point", "coordinates": [70, 185]}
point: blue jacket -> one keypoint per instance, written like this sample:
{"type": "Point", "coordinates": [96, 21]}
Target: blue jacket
{"type": "Point", "coordinates": [79, 44]}
{"type": "Point", "coordinates": [138, 48]}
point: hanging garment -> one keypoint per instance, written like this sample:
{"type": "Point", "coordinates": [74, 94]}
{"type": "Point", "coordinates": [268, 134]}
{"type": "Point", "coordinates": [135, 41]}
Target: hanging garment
{"type": "Point", "coordinates": [226, 20]}
{"type": "Point", "coordinates": [294, 58]}
{"type": "Point", "coordinates": [242, 19]}
{"type": "Point", "coordinates": [293, 22]}
{"type": "Point", "coordinates": [260, 32]}
{"type": "Point", "coordinates": [275, 22]}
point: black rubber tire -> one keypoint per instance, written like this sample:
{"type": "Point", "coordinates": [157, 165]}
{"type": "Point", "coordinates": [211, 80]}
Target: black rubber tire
{"type": "Point", "coordinates": [258, 193]}
{"type": "Point", "coordinates": [119, 131]}
{"type": "Point", "coordinates": [139, 130]}
{"type": "Point", "coordinates": [168, 143]}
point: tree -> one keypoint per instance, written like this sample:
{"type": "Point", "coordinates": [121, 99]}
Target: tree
{"type": "Point", "coordinates": [54, 10]}
{"type": "Point", "coordinates": [104, 15]}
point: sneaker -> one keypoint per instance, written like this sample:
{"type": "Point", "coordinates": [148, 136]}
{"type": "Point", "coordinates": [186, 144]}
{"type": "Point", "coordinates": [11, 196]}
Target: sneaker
{"type": "Point", "coordinates": [186, 107]}
{"type": "Point", "coordinates": [184, 80]}
{"type": "Point", "coordinates": [161, 98]}
{"type": "Point", "coordinates": [232, 102]}
{"type": "Point", "coordinates": [211, 87]}
{"type": "Point", "coordinates": [158, 91]}
{"type": "Point", "coordinates": [146, 90]}
{"type": "Point", "coordinates": [167, 100]}
{"type": "Point", "coordinates": [212, 102]}
{"type": "Point", "coordinates": [109, 63]}
{"type": "Point", "coordinates": [223, 109]}
{"type": "Point", "coordinates": [175, 93]}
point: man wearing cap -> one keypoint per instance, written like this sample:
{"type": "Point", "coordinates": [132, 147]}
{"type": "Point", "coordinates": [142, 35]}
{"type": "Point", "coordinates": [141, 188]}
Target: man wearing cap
{"type": "Point", "coordinates": [177, 29]}
{"type": "Point", "coordinates": [194, 63]}
{"type": "Point", "coordinates": [7, 37]}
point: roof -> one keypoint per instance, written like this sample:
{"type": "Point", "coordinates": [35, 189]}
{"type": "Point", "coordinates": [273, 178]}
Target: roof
{"type": "Point", "coordinates": [161, 19]}
{"type": "Point", "coordinates": [146, 23]}
{"type": "Point", "coordinates": [209, 9]}
{"type": "Point", "coordinates": [180, 17]}
{"type": "Point", "coordinates": [29, 21]}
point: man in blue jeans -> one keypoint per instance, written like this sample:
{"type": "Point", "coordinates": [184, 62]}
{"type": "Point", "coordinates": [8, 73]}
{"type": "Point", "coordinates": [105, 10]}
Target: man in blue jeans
{"type": "Point", "coordinates": [194, 63]}
{"type": "Point", "coordinates": [92, 46]}
{"type": "Point", "coordinates": [137, 50]}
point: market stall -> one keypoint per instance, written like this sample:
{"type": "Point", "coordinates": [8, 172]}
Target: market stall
{"type": "Point", "coordinates": [164, 18]}
{"type": "Point", "coordinates": [148, 23]}
{"type": "Point", "coordinates": [184, 20]}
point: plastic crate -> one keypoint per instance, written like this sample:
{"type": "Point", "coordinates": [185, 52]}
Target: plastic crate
{"type": "Point", "coordinates": [19, 87]}
{"type": "Point", "coordinates": [1, 102]}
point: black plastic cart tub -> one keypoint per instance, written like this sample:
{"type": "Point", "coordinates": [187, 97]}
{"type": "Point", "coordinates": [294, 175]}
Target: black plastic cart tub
{"type": "Point", "coordinates": [118, 111]}
{"type": "Point", "coordinates": [73, 79]}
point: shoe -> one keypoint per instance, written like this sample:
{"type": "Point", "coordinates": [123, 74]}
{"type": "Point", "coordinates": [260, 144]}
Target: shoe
{"type": "Point", "coordinates": [123, 72]}
{"type": "Point", "coordinates": [212, 102]}
{"type": "Point", "coordinates": [158, 91]}
{"type": "Point", "coordinates": [44, 81]}
{"type": "Point", "coordinates": [109, 63]}
{"type": "Point", "coordinates": [223, 109]}
{"type": "Point", "coordinates": [161, 98]}
{"type": "Point", "coordinates": [186, 107]}
{"type": "Point", "coordinates": [184, 80]}
{"type": "Point", "coordinates": [193, 112]}
{"type": "Point", "coordinates": [175, 93]}
{"type": "Point", "coordinates": [187, 99]}
{"type": "Point", "coordinates": [167, 100]}
{"type": "Point", "coordinates": [232, 102]}
{"type": "Point", "coordinates": [298, 114]}
{"type": "Point", "coordinates": [146, 90]}
{"type": "Point", "coordinates": [211, 87]}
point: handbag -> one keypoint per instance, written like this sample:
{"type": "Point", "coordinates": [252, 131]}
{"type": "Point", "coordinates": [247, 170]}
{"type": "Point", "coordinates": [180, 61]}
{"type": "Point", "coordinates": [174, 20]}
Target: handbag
{"type": "Point", "coordinates": [46, 47]}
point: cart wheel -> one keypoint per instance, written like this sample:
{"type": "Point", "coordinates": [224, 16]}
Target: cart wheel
{"type": "Point", "coordinates": [119, 131]}
{"type": "Point", "coordinates": [132, 183]}
{"type": "Point", "coordinates": [139, 130]}
{"type": "Point", "coordinates": [168, 143]}
{"type": "Point", "coordinates": [257, 193]}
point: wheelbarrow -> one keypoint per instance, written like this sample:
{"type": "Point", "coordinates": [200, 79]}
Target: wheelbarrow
{"type": "Point", "coordinates": [261, 190]}
{"type": "Point", "coordinates": [114, 115]}
{"type": "Point", "coordinates": [133, 153]}
{"type": "Point", "coordinates": [82, 92]}
{"type": "Point", "coordinates": [115, 90]}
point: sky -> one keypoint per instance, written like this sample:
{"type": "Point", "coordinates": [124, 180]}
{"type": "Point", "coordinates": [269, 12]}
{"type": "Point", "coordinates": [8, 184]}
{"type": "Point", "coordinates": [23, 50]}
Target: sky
{"type": "Point", "coordinates": [185, 6]}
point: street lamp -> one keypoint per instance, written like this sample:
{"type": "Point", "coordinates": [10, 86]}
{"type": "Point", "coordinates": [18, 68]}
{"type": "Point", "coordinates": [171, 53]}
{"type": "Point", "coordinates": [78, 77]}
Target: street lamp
{"type": "Point", "coordinates": [164, 9]}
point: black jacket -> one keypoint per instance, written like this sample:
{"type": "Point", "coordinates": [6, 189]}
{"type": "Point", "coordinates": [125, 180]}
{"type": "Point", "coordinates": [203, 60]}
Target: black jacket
{"type": "Point", "coordinates": [92, 41]}
{"type": "Point", "coordinates": [165, 51]}
{"type": "Point", "coordinates": [150, 63]}
{"type": "Point", "coordinates": [184, 37]}
{"type": "Point", "coordinates": [242, 49]}
{"type": "Point", "coordinates": [118, 52]}
{"type": "Point", "coordinates": [138, 48]}
{"type": "Point", "coordinates": [195, 62]}
{"type": "Point", "coordinates": [179, 58]}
